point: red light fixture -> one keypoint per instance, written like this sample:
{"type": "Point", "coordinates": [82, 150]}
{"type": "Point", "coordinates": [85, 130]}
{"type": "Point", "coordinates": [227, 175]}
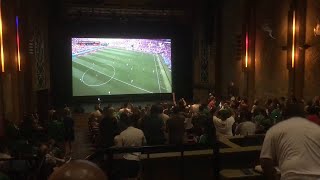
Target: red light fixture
{"type": "Point", "coordinates": [1, 39]}
{"type": "Point", "coordinates": [293, 39]}
{"type": "Point", "coordinates": [18, 44]}
{"type": "Point", "coordinates": [247, 49]}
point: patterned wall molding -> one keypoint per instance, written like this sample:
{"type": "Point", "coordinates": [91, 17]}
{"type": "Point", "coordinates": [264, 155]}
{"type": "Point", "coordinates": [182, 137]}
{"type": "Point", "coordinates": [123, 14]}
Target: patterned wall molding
{"type": "Point", "coordinates": [37, 50]}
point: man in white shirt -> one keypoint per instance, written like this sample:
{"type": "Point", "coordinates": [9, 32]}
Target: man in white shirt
{"type": "Point", "coordinates": [294, 146]}
{"type": "Point", "coordinates": [128, 165]}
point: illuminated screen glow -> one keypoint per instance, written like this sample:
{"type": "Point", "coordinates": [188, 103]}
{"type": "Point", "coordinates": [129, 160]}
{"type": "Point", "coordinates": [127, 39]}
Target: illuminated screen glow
{"type": "Point", "coordinates": [114, 66]}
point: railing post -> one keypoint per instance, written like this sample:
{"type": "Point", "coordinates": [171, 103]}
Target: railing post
{"type": "Point", "coordinates": [182, 163]}
{"type": "Point", "coordinates": [110, 162]}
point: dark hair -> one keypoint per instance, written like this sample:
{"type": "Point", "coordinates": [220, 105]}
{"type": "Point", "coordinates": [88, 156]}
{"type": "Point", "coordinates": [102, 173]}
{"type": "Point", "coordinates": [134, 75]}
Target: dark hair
{"type": "Point", "coordinates": [294, 110]}
{"type": "Point", "coordinates": [125, 118]}
{"type": "Point", "coordinates": [313, 110]}
{"type": "Point", "coordinates": [155, 109]}
{"type": "Point", "coordinates": [245, 116]}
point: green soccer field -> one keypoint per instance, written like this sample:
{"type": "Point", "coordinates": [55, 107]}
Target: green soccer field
{"type": "Point", "coordinates": [112, 71]}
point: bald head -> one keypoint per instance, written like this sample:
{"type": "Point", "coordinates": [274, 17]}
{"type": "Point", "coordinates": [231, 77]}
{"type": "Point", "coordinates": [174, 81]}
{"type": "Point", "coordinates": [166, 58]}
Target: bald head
{"type": "Point", "coordinates": [77, 170]}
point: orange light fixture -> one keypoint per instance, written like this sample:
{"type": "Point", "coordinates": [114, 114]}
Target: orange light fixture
{"type": "Point", "coordinates": [293, 39]}
{"type": "Point", "coordinates": [18, 44]}
{"type": "Point", "coordinates": [1, 40]}
{"type": "Point", "coordinates": [247, 48]}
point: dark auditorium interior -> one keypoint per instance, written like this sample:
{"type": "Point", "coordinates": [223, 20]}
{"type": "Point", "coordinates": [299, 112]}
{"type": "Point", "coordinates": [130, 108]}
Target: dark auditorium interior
{"type": "Point", "coordinates": [245, 94]}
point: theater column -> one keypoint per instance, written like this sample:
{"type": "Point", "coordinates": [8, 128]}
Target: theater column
{"type": "Point", "coordinates": [248, 58]}
{"type": "Point", "coordinates": [296, 47]}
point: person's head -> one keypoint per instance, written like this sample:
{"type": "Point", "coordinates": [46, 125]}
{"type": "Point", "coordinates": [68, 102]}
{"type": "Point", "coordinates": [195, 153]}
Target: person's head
{"type": "Point", "coordinates": [155, 109]}
{"type": "Point", "coordinates": [77, 170]}
{"type": "Point", "coordinates": [43, 149]}
{"type": "Point", "coordinates": [294, 110]}
{"type": "Point", "coordinates": [108, 112]}
{"type": "Point", "coordinates": [259, 111]}
{"type": "Point", "coordinates": [54, 115]}
{"type": "Point", "coordinates": [97, 107]}
{"type": "Point", "coordinates": [244, 101]}
{"type": "Point", "coordinates": [125, 118]}
{"type": "Point", "coordinates": [256, 102]}
{"type": "Point", "coordinates": [312, 110]}
{"type": "Point", "coordinates": [67, 111]}
{"type": "Point", "coordinates": [212, 98]}
{"type": "Point", "coordinates": [231, 83]}
{"type": "Point", "coordinates": [224, 114]}
{"type": "Point", "coordinates": [51, 142]}
{"type": "Point", "coordinates": [126, 105]}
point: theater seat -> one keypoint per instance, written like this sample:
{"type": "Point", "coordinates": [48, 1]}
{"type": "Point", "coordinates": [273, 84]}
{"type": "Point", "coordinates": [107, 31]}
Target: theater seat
{"type": "Point", "coordinates": [239, 174]}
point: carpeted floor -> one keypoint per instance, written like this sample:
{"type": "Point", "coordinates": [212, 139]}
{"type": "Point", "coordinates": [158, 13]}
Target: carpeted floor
{"type": "Point", "coordinates": [82, 147]}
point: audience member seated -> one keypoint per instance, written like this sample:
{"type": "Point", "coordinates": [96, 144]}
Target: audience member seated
{"type": "Point", "coordinates": [127, 108]}
{"type": "Point", "coordinates": [56, 129]}
{"type": "Point", "coordinates": [256, 105]}
{"type": "Point", "coordinates": [293, 145]}
{"type": "Point", "coordinates": [208, 136]}
{"type": "Point", "coordinates": [26, 127]}
{"type": "Point", "coordinates": [194, 109]}
{"type": "Point", "coordinates": [163, 116]}
{"type": "Point", "coordinates": [12, 131]}
{"type": "Point", "coordinates": [313, 114]}
{"type": "Point", "coordinates": [223, 122]}
{"type": "Point", "coordinates": [246, 126]}
{"type": "Point", "coordinates": [199, 120]}
{"type": "Point", "coordinates": [212, 103]}
{"type": "Point", "coordinates": [48, 161]}
{"type": "Point", "coordinates": [4, 154]}
{"type": "Point", "coordinates": [176, 127]}
{"type": "Point", "coordinates": [96, 114]}
{"type": "Point", "coordinates": [276, 115]}
{"type": "Point", "coordinates": [68, 130]}
{"type": "Point", "coordinates": [128, 165]}
{"type": "Point", "coordinates": [31, 130]}
{"type": "Point", "coordinates": [136, 117]}
{"type": "Point", "coordinates": [154, 126]}
{"type": "Point", "coordinates": [108, 128]}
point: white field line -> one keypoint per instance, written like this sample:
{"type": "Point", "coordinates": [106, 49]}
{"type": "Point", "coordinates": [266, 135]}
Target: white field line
{"type": "Point", "coordinates": [155, 63]}
{"type": "Point", "coordinates": [95, 85]}
{"type": "Point", "coordinates": [117, 79]}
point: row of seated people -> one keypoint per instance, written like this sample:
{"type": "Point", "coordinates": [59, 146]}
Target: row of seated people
{"type": "Point", "coordinates": [46, 143]}
{"type": "Point", "coordinates": [160, 125]}
{"type": "Point", "coordinates": [276, 116]}
{"type": "Point", "coordinates": [163, 123]}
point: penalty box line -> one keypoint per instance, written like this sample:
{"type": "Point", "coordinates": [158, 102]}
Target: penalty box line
{"type": "Point", "coordinates": [116, 78]}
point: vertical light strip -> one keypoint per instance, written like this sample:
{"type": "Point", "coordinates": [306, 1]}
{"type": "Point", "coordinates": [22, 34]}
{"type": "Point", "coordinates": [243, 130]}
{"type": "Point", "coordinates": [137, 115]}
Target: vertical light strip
{"type": "Point", "coordinates": [247, 47]}
{"type": "Point", "coordinates": [293, 38]}
{"type": "Point", "coordinates": [18, 44]}
{"type": "Point", "coordinates": [1, 39]}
